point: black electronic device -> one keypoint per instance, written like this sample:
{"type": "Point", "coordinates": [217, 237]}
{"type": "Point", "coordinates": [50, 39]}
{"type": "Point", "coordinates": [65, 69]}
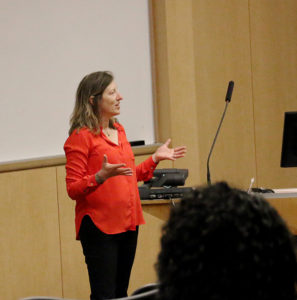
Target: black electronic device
{"type": "Point", "coordinates": [137, 143]}
{"type": "Point", "coordinates": [262, 190]}
{"type": "Point", "coordinates": [168, 177]}
{"type": "Point", "coordinates": [289, 142]}
{"type": "Point", "coordinates": [164, 185]}
{"type": "Point", "coordinates": [162, 193]}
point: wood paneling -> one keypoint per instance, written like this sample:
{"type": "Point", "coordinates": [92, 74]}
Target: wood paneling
{"type": "Point", "coordinates": [175, 80]}
{"type": "Point", "coordinates": [29, 229]}
{"type": "Point", "coordinates": [222, 54]}
{"type": "Point", "coordinates": [200, 47]}
{"type": "Point", "coordinates": [163, 164]}
{"type": "Point", "coordinates": [274, 57]}
{"type": "Point", "coordinates": [287, 208]}
{"type": "Point", "coordinates": [75, 275]}
{"type": "Point", "coordinates": [148, 247]}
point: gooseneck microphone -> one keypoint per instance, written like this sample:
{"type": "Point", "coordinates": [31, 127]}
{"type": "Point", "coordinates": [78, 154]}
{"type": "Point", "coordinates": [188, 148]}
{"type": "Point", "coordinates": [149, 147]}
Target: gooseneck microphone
{"type": "Point", "coordinates": [227, 100]}
{"type": "Point", "coordinates": [229, 91]}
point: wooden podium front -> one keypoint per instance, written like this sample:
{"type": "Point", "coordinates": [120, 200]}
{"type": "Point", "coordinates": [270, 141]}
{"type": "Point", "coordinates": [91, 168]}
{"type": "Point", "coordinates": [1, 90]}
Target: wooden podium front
{"type": "Point", "coordinates": [155, 213]}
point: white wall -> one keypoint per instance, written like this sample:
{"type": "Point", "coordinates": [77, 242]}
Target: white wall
{"type": "Point", "coordinates": [47, 46]}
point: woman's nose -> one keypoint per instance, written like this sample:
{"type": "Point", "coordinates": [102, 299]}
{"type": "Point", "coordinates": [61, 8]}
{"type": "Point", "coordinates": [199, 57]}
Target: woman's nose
{"type": "Point", "coordinates": [119, 97]}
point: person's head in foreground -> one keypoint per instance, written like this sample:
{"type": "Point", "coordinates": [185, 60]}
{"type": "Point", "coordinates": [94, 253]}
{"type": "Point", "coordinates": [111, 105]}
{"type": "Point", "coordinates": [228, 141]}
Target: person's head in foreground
{"type": "Point", "coordinates": [223, 243]}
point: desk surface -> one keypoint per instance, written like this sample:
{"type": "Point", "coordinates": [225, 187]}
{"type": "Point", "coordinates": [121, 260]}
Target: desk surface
{"type": "Point", "coordinates": [159, 201]}
{"type": "Point", "coordinates": [278, 195]}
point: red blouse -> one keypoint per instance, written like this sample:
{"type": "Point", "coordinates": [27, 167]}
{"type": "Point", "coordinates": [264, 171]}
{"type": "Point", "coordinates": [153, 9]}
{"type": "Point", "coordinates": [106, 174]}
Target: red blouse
{"type": "Point", "coordinates": [114, 206]}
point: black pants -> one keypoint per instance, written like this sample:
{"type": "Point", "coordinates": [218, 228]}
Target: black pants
{"type": "Point", "coordinates": [109, 258]}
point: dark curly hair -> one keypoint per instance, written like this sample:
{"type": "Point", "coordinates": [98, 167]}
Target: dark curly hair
{"type": "Point", "coordinates": [222, 243]}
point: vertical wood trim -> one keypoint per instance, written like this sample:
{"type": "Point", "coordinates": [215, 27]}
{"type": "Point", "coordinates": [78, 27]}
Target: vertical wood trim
{"type": "Point", "coordinates": [175, 80]}
{"type": "Point", "coordinates": [59, 228]}
{"type": "Point", "coordinates": [159, 29]}
{"type": "Point", "coordinates": [255, 184]}
{"type": "Point", "coordinates": [154, 72]}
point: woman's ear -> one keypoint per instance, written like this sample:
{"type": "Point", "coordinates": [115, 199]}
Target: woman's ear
{"type": "Point", "coordinates": [91, 100]}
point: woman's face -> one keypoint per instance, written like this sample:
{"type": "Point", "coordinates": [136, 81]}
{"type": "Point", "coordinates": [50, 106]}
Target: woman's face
{"type": "Point", "coordinates": [109, 105]}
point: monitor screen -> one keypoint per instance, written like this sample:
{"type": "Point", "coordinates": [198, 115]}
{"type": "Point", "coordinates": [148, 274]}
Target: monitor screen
{"type": "Point", "coordinates": [289, 144]}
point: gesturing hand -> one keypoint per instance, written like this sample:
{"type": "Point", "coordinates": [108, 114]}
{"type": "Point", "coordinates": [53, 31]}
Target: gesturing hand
{"type": "Point", "coordinates": [164, 152]}
{"type": "Point", "coordinates": [109, 170]}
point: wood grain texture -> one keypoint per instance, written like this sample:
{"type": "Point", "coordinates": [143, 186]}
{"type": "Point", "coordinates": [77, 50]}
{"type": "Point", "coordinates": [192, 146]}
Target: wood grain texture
{"type": "Point", "coordinates": [175, 80]}
{"type": "Point", "coordinates": [222, 53]}
{"type": "Point", "coordinates": [287, 208]}
{"type": "Point", "coordinates": [29, 229]}
{"type": "Point", "coordinates": [75, 275]}
{"type": "Point", "coordinates": [148, 247]}
{"type": "Point", "coordinates": [274, 61]}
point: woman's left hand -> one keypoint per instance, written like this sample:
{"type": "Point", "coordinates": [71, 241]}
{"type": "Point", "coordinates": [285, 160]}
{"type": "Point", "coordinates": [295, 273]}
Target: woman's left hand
{"type": "Point", "coordinates": [164, 152]}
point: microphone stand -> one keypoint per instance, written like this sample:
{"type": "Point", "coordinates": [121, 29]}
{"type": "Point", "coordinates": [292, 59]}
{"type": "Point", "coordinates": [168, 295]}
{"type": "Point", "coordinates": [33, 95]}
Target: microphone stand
{"type": "Point", "coordinates": [214, 141]}
{"type": "Point", "coordinates": [227, 99]}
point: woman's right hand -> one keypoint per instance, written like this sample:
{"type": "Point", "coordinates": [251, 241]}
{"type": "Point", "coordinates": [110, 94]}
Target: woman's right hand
{"type": "Point", "coordinates": [109, 170]}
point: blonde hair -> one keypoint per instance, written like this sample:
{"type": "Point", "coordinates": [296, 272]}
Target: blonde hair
{"type": "Point", "coordinates": [86, 114]}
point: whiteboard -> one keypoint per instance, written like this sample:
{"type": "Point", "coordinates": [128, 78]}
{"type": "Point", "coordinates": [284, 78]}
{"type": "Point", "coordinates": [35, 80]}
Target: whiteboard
{"type": "Point", "coordinates": [47, 47]}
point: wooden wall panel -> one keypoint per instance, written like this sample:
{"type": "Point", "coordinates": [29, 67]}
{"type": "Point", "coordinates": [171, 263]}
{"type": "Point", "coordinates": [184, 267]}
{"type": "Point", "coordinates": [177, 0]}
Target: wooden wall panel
{"type": "Point", "coordinates": [175, 80]}
{"type": "Point", "coordinates": [287, 208]}
{"type": "Point", "coordinates": [148, 247]}
{"type": "Point", "coordinates": [163, 164]}
{"type": "Point", "coordinates": [201, 46]}
{"type": "Point", "coordinates": [75, 275]}
{"type": "Point", "coordinates": [29, 231]}
{"type": "Point", "coordinates": [274, 56]}
{"type": "Point", "coordinates": [160, 70]}
{"type": "Point", "coordinates": [222, 53]}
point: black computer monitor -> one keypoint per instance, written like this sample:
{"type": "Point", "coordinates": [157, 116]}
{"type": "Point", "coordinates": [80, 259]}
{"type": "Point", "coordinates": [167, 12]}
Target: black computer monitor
{"type": "Point", "coordinates": [289, 145]}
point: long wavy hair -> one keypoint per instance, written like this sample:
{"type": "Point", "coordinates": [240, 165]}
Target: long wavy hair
{"type": "Point", "coordinates": [85, 113]}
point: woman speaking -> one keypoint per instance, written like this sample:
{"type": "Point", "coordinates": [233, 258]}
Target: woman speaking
{"type": "Point", "coordinates": [101, 177]}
